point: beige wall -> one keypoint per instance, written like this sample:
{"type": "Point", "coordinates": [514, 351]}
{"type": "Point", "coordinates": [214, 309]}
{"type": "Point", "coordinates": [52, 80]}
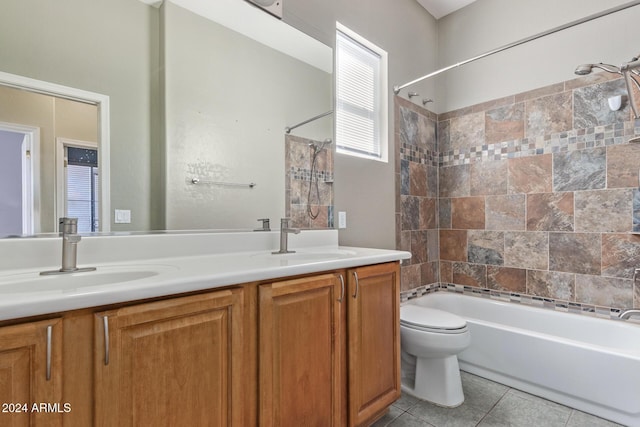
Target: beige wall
{"type": "Point", "coordinates": [100, 46]}
{"type": "Point", "coordinates": [365, 189]}
{"type": "Point", "coordinates": [488, 24]}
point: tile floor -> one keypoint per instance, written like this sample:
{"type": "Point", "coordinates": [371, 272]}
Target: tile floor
{"type": "Point", "coordinates": [488, 404]}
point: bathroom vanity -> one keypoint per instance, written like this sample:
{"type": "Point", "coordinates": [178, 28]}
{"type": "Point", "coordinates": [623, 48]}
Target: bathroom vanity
{"type": "Point", "coordinates": [310, 338]}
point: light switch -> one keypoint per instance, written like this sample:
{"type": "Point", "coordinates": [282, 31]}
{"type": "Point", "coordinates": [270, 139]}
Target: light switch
{"type": "Point", "coordinates": [123, 216]}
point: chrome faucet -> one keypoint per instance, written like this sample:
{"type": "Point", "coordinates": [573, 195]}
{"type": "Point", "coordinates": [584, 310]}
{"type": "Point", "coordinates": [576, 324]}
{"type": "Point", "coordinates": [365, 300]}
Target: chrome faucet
{"type": "Point", "coordinates": [265, 225]}
{"type": "Point", "coordinates": [70, 239]}
{"type": "Point", "coordinates": [628, 313]}
{"type": "Point", "coordinates": [284, 231]}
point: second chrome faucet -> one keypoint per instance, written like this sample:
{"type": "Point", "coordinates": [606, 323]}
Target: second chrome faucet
{"type": "Point", "coordinates": [70, 240]}
{"type": "Point", "coordinates": [284, 236]}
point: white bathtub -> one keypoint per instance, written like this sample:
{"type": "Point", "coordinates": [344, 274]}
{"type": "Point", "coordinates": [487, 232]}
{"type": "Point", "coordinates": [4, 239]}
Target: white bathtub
{"type": "Point", "coordinates": [585, 363]}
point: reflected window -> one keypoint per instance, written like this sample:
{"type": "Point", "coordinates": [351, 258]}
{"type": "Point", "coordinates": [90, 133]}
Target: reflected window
{"type": "Point", "coordinates": [82, 187]}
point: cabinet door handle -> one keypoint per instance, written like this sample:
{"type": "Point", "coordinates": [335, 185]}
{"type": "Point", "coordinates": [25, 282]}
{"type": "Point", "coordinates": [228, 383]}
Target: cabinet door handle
{"type": "Point", "coordinates": [49, 332]}
{"type": "Point", "coordinates": [355, 276]}
{"type": "Point", "coordinates": [342, 285]}
{"type": "Point", "coordinates": [105, 322]}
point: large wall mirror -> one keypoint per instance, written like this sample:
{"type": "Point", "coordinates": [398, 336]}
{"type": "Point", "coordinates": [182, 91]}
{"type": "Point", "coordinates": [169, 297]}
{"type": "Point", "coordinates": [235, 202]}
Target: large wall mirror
{"type": "Point", "coordinates": [189, 98]}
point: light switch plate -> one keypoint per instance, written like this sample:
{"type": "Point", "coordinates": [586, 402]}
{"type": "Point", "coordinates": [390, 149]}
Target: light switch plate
{"type": "Point", "coordinates": [342, 219]}
{"type": "Point", "coordinates": [122, 216]}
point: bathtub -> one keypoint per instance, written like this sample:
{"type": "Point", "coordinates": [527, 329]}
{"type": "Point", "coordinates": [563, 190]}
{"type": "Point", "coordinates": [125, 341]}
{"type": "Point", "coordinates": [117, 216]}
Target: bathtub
{"type": "Point", "coordinates": [586, 363]}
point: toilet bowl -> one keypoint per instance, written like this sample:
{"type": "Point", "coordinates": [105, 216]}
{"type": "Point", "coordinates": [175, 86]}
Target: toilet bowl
{"type": "Point", "coordinates": [430, 341]}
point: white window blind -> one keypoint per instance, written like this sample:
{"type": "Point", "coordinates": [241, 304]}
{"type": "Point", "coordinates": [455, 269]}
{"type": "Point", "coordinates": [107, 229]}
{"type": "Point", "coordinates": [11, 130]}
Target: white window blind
{"type": "Point", "coordinates": [358, 98]}
{"type": "Point", "coordinates": [81, 196]}
{"type": "Point", "coordinates": [82, 183]}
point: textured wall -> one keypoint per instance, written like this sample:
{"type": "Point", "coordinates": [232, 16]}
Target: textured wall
{"type": "Point", "coordinates": [536, 195]}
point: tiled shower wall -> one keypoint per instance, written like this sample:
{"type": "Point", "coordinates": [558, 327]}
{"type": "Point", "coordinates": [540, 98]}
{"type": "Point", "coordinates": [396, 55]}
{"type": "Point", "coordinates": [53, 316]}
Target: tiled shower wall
{"type": "Point", "coordinates": [300, 201]}
{"type": "Point", "coordinates": [536, 194]}
{"type": "Point", "coordinates": [417, 193]}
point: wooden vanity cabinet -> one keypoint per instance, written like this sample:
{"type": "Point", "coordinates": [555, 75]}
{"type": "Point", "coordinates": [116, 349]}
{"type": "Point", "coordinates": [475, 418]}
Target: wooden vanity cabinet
{"type": "Point", "coordinates": [174, 362]}
{"type": "Point", "coordinates": [300, 351]}
{"type": "Point", "coordinates": [31, 374]}
{"type": "Point", "coordinates": [321, 350]}
{"type": "Point", "coordinates": [329, 348]}
{"type": "Point", "coordinates": [373, 341]}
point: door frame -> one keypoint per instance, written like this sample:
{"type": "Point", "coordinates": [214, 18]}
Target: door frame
{"type": "Point", "coordinates": [102, 103]}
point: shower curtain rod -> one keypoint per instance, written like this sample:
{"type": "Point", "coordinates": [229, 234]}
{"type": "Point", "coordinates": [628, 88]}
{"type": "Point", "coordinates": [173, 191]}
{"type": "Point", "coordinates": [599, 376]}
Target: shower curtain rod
{"type": "Point", "coordinates": [397, 89]}
{"type": "Point", "coordinates": [288, 129]}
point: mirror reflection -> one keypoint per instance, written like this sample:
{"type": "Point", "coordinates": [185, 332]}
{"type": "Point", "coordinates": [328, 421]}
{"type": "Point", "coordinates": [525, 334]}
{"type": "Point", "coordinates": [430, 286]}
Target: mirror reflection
{"type": "Point", "coordinates": [188, 98]}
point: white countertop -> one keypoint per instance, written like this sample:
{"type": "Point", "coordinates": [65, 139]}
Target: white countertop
{"type": "Point", "coordinates": [173, 273]}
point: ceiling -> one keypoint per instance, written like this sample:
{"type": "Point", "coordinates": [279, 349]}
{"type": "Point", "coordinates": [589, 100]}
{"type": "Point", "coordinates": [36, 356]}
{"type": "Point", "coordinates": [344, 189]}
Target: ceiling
{"type": "Point", "coordinates": [440, 8]}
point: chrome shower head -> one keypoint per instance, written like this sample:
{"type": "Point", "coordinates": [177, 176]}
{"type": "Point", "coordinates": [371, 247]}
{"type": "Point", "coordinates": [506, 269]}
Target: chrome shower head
{"type": "Point", "coordinates": [584, 69]}
{"type": "Point", "coordinates": [323, 144]}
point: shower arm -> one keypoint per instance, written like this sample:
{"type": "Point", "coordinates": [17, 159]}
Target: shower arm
{"type": "Point", "coordinates": [288, 129]}
{"type": "Point", "coordinates": [397, 89]}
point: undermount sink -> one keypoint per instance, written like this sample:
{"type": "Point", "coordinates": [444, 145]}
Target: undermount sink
{"type": "Point", "coordinates": [302, 256]}
{"type": "Point", "coordinates": [34, 282]}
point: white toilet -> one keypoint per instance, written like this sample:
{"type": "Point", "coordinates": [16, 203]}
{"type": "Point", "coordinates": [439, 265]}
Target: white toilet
{"type": "Point", "coordinates": [430, 342]}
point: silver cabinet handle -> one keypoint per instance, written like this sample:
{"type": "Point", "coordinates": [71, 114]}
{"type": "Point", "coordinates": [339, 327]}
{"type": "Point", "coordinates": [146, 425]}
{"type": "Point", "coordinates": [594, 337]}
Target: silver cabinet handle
{"type": "Point", "coordinates": [355, 276]}
{"type": "Point", "coordinates": [49, 332]}
{"type": "Point", "coordinates": [105, 322]}
{"type": "Point", "coordinates": [342, 285]}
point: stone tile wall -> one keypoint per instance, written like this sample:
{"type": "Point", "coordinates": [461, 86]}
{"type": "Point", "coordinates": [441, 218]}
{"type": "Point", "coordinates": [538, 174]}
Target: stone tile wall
{"type": "Point", "coordinates": [299, 180]}
{"type": "Point", "coordinates": [536, 195]}
{"type": "Point", "coordinates": [417, 193]}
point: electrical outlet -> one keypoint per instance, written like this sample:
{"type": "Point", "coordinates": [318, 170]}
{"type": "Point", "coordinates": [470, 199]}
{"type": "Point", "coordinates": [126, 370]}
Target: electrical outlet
{"type": "Point", "coordinates": [122, 216]}
{"type": "Point", "coordinates": [342, 219]}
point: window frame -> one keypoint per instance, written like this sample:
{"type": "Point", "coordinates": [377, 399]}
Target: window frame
{"type": "Point", "coordinates": [382, 116]}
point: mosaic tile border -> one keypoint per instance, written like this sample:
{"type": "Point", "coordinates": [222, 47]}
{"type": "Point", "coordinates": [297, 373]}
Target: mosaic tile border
{"type": "Point", "coordinates": [417, 154]}
{"type": "Point", "coordinates": [576, 139]}
{"type": "Point", "coordinates": [302, 174]}
{"type": "Point", "coordinates": [609, 313]}
{"type": "Point", "coordinates": [418, 292]}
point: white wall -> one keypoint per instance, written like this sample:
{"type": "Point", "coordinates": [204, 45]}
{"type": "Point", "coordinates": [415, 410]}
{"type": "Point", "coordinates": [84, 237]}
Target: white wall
{"type": "Point", "coordinates": [365, 189]}
{"type": "Point", "coordinates": [488, 24]}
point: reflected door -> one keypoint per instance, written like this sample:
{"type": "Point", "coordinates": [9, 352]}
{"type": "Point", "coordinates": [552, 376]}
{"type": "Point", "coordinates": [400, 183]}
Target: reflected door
{"type": "Point", "coordinates": [16, 195]}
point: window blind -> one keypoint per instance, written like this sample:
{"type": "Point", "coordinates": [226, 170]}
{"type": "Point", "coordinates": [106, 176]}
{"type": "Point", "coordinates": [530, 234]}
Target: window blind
{"type": "Point", "coordinates": [81, 196]}
{"type": "Point", "coordinates": [358, 100]}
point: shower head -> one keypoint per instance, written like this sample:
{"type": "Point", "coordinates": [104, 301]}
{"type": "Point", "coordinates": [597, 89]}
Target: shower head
{"type": "Point", "coordinates": [322, 145]}
{"type": "Point", "coordinates": [584, 69]}
{"type": "Point", "coordinates": [628, 70]}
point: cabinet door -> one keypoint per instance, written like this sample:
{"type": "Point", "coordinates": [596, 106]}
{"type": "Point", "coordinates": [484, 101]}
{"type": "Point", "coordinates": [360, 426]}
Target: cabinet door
{"type": "Point", "coordinates": [177, 362]}
{"type": "Point", "coordinates": [31, 374]}
{"type": "Point", "coordinates": [374, 340]}
{"type": "Point", "coordinates": [299, 352]}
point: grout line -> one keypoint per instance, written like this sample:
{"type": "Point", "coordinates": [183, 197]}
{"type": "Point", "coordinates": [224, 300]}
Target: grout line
{"type": "Point", "coordinates": [494, 405]}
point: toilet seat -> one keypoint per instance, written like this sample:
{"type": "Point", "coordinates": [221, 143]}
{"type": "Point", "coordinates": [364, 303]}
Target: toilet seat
{"type": "Point", "coordinates": [431, 320]}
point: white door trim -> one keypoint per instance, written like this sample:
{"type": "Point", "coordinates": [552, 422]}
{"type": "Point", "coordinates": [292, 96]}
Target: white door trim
{"type": "Point", "coordinates": [97, 99]}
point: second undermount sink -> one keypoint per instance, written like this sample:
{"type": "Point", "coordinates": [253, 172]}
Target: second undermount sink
{"type": "Point", "coordinates": [33, 282]}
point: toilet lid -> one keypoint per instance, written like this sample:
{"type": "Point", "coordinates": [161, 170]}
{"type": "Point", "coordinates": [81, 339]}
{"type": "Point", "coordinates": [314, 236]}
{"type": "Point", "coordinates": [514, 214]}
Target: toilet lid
{"type": "Point", "coordinates": [419, 317]}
